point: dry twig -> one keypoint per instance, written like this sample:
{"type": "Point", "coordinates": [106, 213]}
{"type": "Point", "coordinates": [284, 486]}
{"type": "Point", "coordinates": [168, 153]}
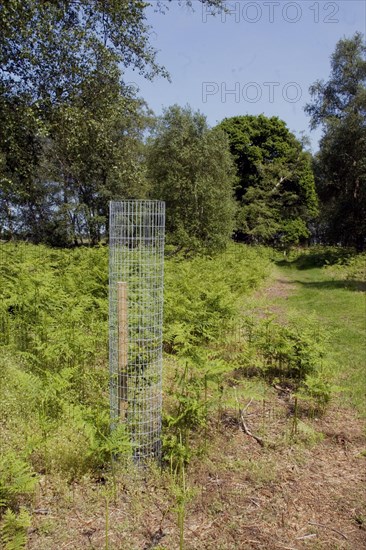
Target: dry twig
{"type": "Point", "coordinates": [244, 426]}
{"type": "Point", "coordinates": [309, 536]}
{"type": "Point", "coordinates": [247, 431]}
{"type": "Point", "coordinates": [328, 527]}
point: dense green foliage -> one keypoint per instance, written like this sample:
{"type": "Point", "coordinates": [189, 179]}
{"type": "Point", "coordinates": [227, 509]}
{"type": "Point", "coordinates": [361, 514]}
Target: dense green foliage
{"type": "Point", "coordinates": [57, 174]}
{"type": "Point", "coordinates": [276, 188]}
{"type": "Point", "coordinates": [71, 132]}
{"type": "Point", "coordinates": [14, 529]}
{"type": "Point", "coordinates": [53, 362]}
{"type": "Point", "coordinates": [190, 167]}
{"type": "Point", "coordinates": [47, 48]}
{"type": "Point", "coordinates": [339, 106]}
{"type": "Point", "coordinates": [72, 129]}
{"type": "Point", "coordinates": [93, 151]}
{"type": "Point", "coordinates": [203, 303]}
{"type": "Point", "coordinates": [54, 341]}
{"type": "Point", "coordinates": [351, 268]}
{"type": "Point", "coordinates": [54, 373]}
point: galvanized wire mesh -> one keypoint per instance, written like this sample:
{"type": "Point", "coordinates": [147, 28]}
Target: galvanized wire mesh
{"type": "Point", "coordinates": [136, 284]}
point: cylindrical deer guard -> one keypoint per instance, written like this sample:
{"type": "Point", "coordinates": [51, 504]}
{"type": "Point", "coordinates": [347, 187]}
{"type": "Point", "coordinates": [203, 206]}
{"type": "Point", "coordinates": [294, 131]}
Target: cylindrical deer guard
{"type": "Point", "coordinates": [136, 284]}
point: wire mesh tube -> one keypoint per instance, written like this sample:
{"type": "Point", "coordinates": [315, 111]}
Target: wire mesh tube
{"type": "Point", "coordinates": [136, 285]}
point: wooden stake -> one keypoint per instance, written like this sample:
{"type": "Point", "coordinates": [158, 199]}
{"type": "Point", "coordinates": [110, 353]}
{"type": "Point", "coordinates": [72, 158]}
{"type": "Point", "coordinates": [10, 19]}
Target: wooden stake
{"type": "Point", "coordinates": [122, 350]}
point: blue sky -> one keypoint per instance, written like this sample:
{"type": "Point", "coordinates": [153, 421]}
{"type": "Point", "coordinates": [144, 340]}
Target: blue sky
{"type": "Point", "coordinates": [266, 53]}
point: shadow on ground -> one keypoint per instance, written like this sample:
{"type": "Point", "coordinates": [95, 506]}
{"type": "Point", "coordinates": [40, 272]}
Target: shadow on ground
{"type": "Point", "coordinates": [317, 259]}
{"type": "Point", "coordinates": [357, 286]}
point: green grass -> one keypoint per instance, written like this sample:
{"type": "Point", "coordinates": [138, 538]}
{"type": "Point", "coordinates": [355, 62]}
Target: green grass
{"type": "Point", "coordinates": [340, 305]}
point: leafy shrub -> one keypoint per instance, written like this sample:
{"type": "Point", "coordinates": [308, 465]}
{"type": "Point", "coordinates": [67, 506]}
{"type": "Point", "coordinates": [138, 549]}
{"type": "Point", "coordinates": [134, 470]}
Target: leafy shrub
{"type": "Point", "coordinates": [203, 295]}
{"type": "Point", "coordinates": [202, 306]}
{"type": "Point", "coordinates": [294, 355]}
{"type": "Point", "coordinates": [316, 391]}
{"type": "Point", "coordinates": [53, 307]}
{"type": "Point", "coordinates": [55, 400]}
{"type": "Point", "coordinates": [353, 268]}
{"type": "Point", "coordinates": [14, 529]}
{"type": "Point", "coordinates": [16, 479]}
{"type": "Point", "coordinates": [319, 256]}
{"type": "Point", "coordinates": [290, 352]}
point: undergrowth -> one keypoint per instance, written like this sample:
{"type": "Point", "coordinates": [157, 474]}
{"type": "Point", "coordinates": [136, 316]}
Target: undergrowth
{"type": "Point", "coordinates": [54, 364]}
{"type": "Point", "coordinates": [320, 256]}
{"type": "Point", "coordinates": [352, 268]}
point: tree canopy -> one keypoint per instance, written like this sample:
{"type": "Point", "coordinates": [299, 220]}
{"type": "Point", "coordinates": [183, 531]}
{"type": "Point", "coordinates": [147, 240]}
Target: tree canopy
{"type": "Point", "coordinates": [72, 138]}
{"type": "Point", "coordinates": [72, 130]}
{"type": "Point", "coordinates": [276, 189]}
{"type": "Point", "coordinates": [339, 106]}
{"type": "Point", "coordinates": [190, 167]}
{"type": "Point", "coordinates": [58, 172]}
{"type": "Point", "coordinates": [47, 48]}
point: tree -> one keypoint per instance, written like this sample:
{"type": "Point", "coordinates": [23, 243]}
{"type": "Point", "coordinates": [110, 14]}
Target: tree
{"type": "Point", "coordinates": [95, 153]}
{"type": "Point", "coordinates": [57, 175]}
{"type": "Point", "coordinates": [47, 48]}
{"type": "Point", "coordinates": [276, 191]}
{"type": "Point", "coordinates": [339, 106]}
{"type": "Point", "coordinates": [22, 194]}
{"type": "Point", "coordinates": [62, 95]}
{"type": "Point", "coordinates": [190, 167]}
{"type": "Point", "coordinates": [72, 128]}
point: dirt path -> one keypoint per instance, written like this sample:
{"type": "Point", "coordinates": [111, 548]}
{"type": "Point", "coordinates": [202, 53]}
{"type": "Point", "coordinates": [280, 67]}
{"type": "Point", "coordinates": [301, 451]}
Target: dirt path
{"type": "Point", "coordinates": [317, 498]}
{"type": "Point", "coordinates": [271, 298]}
{"type": "Point", "coordinates": [280, 287]}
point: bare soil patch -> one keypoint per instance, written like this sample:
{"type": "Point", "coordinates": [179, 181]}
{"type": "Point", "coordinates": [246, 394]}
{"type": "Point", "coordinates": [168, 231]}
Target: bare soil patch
{"type": "Point", "coordinates": [281, 287]}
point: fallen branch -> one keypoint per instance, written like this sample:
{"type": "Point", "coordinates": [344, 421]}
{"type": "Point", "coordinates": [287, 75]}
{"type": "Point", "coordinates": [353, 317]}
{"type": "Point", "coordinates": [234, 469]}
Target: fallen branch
{"type": "Point", "coordinates": [244, 426]}
{"type": "Point", "coordinates": [328, 527]}
{"type": "Point", "coordinates": [246, 406]}
{"type": "Point", "coordinates": [254, 502]}
{"type": "Point", "coordinates": [42, 511]}
{"type": "Point", "coordinates": [247, 431]}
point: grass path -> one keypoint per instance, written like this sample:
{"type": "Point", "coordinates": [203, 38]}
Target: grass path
{"type": "Point", "coordinates": [341, 309]}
